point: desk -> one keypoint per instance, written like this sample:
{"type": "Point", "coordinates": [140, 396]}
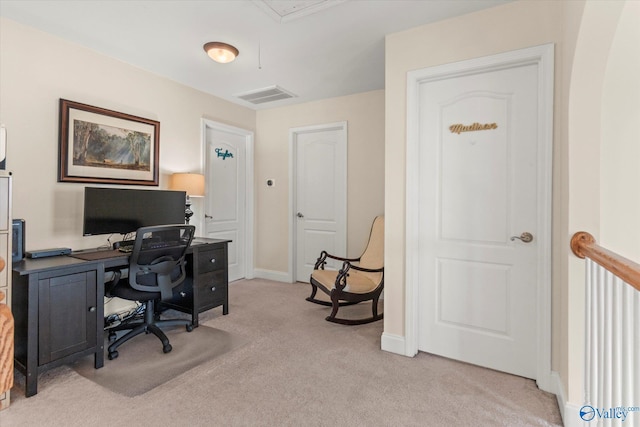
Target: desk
{"type": "Point", "coordinates": [58, 304]}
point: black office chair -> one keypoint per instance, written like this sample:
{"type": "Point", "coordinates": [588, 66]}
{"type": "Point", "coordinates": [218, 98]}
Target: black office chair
{"type": "Point", "coordinates": [156, 266]}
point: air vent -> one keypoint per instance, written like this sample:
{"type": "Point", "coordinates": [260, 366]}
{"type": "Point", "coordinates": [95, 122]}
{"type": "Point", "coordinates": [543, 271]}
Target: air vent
{"type": "Point", "coordinates": [267, 94]}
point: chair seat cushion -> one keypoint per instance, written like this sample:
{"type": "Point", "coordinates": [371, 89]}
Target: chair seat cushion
{"type": "Point", "coordinates": [357, 282]}
{"type": "Point", "coordinates": [124, 291]}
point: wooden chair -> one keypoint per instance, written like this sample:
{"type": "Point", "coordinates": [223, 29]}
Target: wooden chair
{"type": "Point", "coordinates": [359, 279]}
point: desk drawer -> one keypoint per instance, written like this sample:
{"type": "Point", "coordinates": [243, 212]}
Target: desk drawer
{"type": "Point", "coordinates": [212, 260]}
{"type": "Point", "coordinates": [212, 289]}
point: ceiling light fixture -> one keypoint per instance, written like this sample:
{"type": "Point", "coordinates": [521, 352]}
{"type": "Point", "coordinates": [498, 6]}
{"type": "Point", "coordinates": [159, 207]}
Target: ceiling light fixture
{"type": "Point", "coordinates": [221, 52]}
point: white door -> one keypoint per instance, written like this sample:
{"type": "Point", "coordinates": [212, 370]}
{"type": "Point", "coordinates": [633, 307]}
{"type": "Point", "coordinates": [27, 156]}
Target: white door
{"type": "Point", "coordinates": [320, 187]}
{"type": "Point", "coordinates": [478, 144]}
{"type": "Point", "coordinates": [226, 192]}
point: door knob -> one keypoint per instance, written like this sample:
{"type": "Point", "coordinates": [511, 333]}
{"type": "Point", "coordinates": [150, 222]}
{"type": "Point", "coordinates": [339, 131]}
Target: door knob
{"type": "Point", "coordinates": [299, 215]}
{"type": "Point", "coordinates": [525, 237]}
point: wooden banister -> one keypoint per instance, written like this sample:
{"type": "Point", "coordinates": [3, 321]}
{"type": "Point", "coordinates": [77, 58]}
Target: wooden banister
{"type": "Point", "coordinates": [584, 245]}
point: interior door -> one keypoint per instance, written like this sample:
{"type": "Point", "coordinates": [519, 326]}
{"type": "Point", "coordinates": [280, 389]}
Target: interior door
{"type": "Point", "coordinates": [320, 208]}
{"type": "Point", "coordinates": [478, 220]}
{"type": "Point", "coordinates": [225, 199]}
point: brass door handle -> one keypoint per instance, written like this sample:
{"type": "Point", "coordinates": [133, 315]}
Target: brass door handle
{"type": "Point", "coordinates": [525, 237]}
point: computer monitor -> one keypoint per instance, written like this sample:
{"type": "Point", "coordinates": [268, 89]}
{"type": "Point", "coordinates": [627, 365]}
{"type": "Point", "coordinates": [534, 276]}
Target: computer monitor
{"type": "Point", "coordinates": [117, 210]}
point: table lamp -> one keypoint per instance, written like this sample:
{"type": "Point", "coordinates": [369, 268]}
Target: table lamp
{"type": "Point", "coordinates": [193, 184]}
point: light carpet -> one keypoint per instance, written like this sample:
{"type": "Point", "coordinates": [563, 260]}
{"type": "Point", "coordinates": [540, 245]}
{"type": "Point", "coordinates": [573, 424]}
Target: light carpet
{"type": "Point", "coordinates": [296, 369]}
{"type": "Point", "coordinates": [142, 366]}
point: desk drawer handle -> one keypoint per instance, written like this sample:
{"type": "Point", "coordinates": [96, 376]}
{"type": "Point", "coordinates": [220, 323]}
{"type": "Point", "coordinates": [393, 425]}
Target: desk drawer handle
{"type": "Point", "coordinates": [212, 260]}
{"type": "Point", "coordinates": [213, 289]}
{"type": "Point", "coordinates": [183, 294]}
{"type": "Point", "coordinates": [92, 309]}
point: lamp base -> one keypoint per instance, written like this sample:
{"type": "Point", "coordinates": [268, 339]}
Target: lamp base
{"type": "Point", "coordinates": [188, 213]}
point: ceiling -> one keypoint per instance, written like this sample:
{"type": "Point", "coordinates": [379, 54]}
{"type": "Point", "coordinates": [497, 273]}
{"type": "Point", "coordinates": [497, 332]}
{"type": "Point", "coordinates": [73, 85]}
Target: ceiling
{"type": "Point", "coordinates": [313, 49]}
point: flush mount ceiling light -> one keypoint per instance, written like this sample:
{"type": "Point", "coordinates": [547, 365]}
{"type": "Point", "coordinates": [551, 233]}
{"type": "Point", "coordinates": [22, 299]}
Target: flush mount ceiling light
{"type": "Point", "coordinates": [221, 52]}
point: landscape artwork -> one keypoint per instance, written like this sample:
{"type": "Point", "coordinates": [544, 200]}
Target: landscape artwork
{"type": "Point", "coordinates": [105, 146]}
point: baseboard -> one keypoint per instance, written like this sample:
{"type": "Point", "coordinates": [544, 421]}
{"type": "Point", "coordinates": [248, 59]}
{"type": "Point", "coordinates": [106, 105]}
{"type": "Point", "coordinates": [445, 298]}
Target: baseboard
{"type": "Point", "coordinates": [277, 276]}
{"type": "Point", "coordinates": [570, 412]}
{"type": "Point", "coordinates": [393, 343]}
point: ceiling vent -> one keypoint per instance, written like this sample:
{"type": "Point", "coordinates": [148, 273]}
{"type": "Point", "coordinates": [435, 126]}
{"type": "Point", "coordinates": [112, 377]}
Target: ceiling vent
{"type": "Point", "coordinates": [267, 94]}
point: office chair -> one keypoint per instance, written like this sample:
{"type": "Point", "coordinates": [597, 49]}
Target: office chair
{"type": "Point", "coordinates": [156, 267]}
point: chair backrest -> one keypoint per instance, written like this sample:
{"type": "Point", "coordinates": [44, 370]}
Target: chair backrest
{"type": "Point", "coordinates": [373, 256]}
{"type": "Point", "coordinates": [157, 261]}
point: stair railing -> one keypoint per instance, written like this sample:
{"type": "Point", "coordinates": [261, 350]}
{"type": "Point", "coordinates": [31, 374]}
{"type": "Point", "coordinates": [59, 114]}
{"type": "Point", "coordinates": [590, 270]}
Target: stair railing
{"type": "Point", "coordinates": [612, 335]}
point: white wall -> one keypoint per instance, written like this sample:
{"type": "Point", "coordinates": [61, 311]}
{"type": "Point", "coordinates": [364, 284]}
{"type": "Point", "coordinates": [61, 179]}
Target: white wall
{"type": "Point", "coordinates": [37, 70]}
{"type": "Point", "coordinates": [364, 114]}
{"type": "Point", "coordinates": [620, 140]}
{"type": "Point", "coordinates": [584, 127]}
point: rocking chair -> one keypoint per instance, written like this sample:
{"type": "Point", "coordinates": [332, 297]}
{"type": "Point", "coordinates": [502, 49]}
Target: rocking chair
{"type": "Point", "coordinates": [359, 279]}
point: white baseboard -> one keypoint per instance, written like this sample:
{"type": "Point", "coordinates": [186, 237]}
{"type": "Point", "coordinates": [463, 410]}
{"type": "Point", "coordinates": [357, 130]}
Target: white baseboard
{"type": "Point", "coordinates": [570, 412]}
{"type": "Point", "coordinates": [393, 343]}
{"type": "Point", "coordinates": [277, 276]}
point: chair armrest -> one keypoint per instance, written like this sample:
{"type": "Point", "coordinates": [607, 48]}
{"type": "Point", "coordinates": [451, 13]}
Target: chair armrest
{"type": "Point", "coordinates": [322, 260]}
{"type": "Point", "coordinates": [367, 270]}
{"type": "Point", "coordinates": [341, 278]}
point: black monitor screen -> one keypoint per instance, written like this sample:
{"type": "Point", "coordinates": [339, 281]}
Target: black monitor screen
{"type": "Point", "coordinates": [117, 210]}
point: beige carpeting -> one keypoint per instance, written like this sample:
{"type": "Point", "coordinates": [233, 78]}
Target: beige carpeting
{"type": "Point", "coordinates": [294, 369]}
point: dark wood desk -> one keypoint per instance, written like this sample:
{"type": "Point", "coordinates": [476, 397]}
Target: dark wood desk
{"type": "Point", "coordinates": [58, 304]}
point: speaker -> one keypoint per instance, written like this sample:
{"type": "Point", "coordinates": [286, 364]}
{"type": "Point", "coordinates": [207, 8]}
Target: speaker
{"type": "Point", "coordinates": [17, 253]}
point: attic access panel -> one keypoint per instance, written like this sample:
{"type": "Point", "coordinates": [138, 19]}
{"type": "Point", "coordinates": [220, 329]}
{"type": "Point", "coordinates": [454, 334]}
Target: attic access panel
{"type": "Point", "coordinates": [288, 10]}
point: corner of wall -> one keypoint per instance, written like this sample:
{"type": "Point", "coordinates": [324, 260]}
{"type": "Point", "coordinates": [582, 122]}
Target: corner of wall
{"type": "Point", "coordinates": [393, 343]}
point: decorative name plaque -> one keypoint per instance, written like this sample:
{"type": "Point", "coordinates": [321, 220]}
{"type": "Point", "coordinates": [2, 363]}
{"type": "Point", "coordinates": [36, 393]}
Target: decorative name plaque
{"type": "Point", "coordinates": [458, 128]}
{"type": "Point", "coordinates": [224, 154]}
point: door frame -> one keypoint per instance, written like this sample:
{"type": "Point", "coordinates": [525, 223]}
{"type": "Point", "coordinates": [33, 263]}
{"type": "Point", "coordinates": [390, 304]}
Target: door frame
{"type": "Point", "coordinates": [249, 190]}
{"type": "Point", "coordinates": [543, 56]}
{"type": "Point", "coordinates": [293, 152]}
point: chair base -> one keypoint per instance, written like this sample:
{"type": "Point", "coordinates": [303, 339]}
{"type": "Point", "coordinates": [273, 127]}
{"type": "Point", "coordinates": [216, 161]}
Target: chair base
{"type": "Point", "coordinates": [341, 299]}
{"type": "Point", "coordinates": [148, 325]}
{"type": "Point", "coordinates": [354, 321]}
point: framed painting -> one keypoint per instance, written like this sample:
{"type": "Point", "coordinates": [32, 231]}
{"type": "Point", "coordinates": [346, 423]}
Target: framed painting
{"type": "Point", "coordinates": [104, 146]}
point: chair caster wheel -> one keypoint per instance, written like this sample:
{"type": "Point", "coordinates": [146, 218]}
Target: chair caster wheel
{"type": "Point", "coordinates": [113, 355]}
{"type": "Point", "coordinates": [189, 328]}
{"type": "Point", "coordinates": [112, 336]}
{"type": "Point", "coordinates": [167, 348]}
